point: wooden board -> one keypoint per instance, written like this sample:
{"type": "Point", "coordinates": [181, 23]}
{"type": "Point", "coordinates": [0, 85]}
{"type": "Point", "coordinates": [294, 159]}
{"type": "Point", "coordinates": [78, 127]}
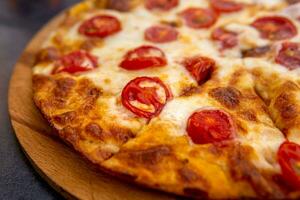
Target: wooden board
{"type": "Point", "coordinates": [66, 171]}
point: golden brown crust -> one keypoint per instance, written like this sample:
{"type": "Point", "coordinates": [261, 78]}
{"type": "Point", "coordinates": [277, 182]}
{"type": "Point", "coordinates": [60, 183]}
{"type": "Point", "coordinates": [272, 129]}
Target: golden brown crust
{"type": "Point", "coordinates": [190, 90]}
{"type": "Point", "coordinates": [227, 96]}
{"type": "Point", "coordinates": [245, 176]}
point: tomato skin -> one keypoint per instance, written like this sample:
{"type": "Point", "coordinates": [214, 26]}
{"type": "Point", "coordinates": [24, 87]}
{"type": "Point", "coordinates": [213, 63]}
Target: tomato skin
{"type": "Point", "coordinates": [100, 26]}
{"type": "Point", "coordinates": [199, 18]}
{"type": "Point", "coordinates": [226, 6]}
{"type": "Point", "coordinates": [288, 157]}
{"type": "Point", "coordinates": [161, 34]}
{"type": "Point", "coordinates": [200, 67]}
{"type": "Point", "coordinates": [141, 58]}
{"type": "Point", "coordinates": [210, 126]}
{"type": "Point", "coordinates": [228, 39]}
{"type": "Point", "coordinates": [164, 5]}
{"type": "Point", "coordinates": [146, 95]}
{"type": "Point", "coordinates": [275, 28]}
{"type": "Point", "coordinates": [289, 55]}
{"type": "Point", "coordinates": [74, 62]}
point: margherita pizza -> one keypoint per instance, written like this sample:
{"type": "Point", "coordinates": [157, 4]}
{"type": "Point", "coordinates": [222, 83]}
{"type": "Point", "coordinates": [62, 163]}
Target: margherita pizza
{"type": "Point", "coordinates": [200, 98]}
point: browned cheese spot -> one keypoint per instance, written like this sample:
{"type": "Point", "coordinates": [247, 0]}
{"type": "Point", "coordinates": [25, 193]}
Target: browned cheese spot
{"type": "Point", "coordinates": [48, 54]}
{"type": "Point", "coordinates": [86, 89]}
{"type": "Point", "coordinates": [103, 154]}
{"type": "Point", "coordinates": [256, 52]}
{"type": "Point", "coordinates": [175, 24]}
{"type": "Point", "coordinates": [227, 96]}
{"type": "Point", "coordinates": [53, 103]}
{"type": "Point", "coordinates": [292, 1]}
{"type": "Point", "coordinates": [88, 93]}
{"type": "Point", "coordinates": [121, 135]}
{"type": "Point", "coordinates": [42, 81]}
{"type": "Point", "coordinates": [150, 156]}
{"type": "Point", "coordinates": [291, 86]}
{"type": "Point", "coordinates": [64, 87]}
{"type": "Point", "coordinates": [286, 107]}
{"type": "Point", "coordinates": [65, 118]}
{"type": "Point", "coordinates": [70, 134]}
{"type": "Point", "coordinates": [189, 91]}
{"type": "Point", "coordinates": [122, 5]}
{"type": "Point", "coordinates": [94, 130]}
{"type": "Point", "coordinates": [236, 77]}
{"type": "Point", "coordinates": [248, 115]}
{"type": "Point", "coordinates": [188, 175]}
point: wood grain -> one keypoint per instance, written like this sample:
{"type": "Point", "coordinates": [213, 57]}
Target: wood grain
{"type": "Point", "coordinates": [62, 168]}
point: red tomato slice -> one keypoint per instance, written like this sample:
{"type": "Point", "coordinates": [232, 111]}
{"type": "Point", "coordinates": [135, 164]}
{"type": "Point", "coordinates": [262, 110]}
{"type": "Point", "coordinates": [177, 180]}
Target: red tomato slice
{"type": "Point", "coordinates": [288, 157]}
{"type": "Point", "coordinates": [145, 96]}
{"type": "Point", "coordinates": [199, 17]}
{"type": "Point", "coordinates": [144, 57]}
{"type": "Point", "coordinates": [210, 126]}
{"type": "Point", "coordinates": [228, 39]}
{"type": "Point", "coordinates": [161, 4]}
{"type": "Point", "coordinates": [77, 61]}
{"type": "Point", "coordinates": [226, 5]}
{"type": "Point", "coordinates": [275, 28]}
{"type": "Point", "coordinates": [200, 67]}
{"type": "Point", "coordinates": [289, 55]}
{"type": "Point", "coordinates": [100, 26]}
{"type": "Point", "coordinates": [161, 34]}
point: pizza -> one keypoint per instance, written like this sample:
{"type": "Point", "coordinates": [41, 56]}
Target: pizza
{"type": "Point", "coordinates": [197, 98]}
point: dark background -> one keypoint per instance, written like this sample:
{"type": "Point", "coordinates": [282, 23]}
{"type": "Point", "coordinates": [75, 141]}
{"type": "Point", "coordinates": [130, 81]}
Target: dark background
{"type": "Point", "coordinates": [19, 21]}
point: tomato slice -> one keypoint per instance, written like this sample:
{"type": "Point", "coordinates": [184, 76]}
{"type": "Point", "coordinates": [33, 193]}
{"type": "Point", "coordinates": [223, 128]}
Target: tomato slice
{"type": "Point", "coordinates": [100, 26]}
{"type": "Point", "coordinates": [199, 18]}
{"type": "Point", "coordinates": [228, 39]}
{"type": "Point", "coordinates": [200, 67]}
{"type": "Point", "coordinates": [289, 55]}
{"type": "Point", "coordinates": [143, 57]}
{"type": "Point", "coordinates": [210, 126]}
{"type": "Point", "coordinates": [145, 96]}
{"type": "Point", "coordinates": [288, 157]}
{"type": "Point", "coordinates": [77, 61]}
{"type": "Point", "coordinates": [161, 34]}
{"type": "Point", "coordinates": [226, 5]}
{"type": "Point", "coordinates": [161, 4]}
{"type": "Point", "coordinates": [275, 27]}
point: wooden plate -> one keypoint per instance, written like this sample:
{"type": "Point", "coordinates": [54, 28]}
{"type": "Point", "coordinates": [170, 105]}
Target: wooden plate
{"type": "Point", "coordinates": [62, 168]}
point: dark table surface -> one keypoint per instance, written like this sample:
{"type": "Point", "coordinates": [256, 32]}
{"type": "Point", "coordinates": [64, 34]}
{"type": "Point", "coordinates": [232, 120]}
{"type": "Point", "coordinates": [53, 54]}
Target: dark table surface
{"type": "Point", "coordinates": [18, 24]}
